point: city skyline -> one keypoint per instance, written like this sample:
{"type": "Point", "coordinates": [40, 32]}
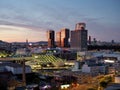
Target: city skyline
{"type": "Point", "coordinates": [30, 19]}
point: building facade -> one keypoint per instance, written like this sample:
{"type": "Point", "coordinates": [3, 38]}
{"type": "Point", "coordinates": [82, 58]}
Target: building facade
{"type": "Point", "coordinates": [63, 38]}
{"type": "Point", "coordinates": [58, 39]}
{"type": "Point", "coordinates": [14, 68]}
{"type": "Point", "coordinates": [79, 37]}
{"type": "Point", "coordinates": [51, 38]}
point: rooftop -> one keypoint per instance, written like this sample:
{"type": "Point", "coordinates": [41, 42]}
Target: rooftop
{"type": "Point", "coordinates": [15, 65]}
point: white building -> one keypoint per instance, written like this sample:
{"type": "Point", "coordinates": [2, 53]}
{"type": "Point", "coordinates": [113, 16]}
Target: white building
{"type": "Point", "coordinates": [93, 69]}
{"type": "Point", "coordinates": [76, 67]}
{"type": "Point", "coordinates": [36, 50]}
{"type": "Point", "coordinates": [23, 52]}
{"type": "Point", "coordinates": [89, 66]}
{"type": "Point", "coordinates": [117, 79]}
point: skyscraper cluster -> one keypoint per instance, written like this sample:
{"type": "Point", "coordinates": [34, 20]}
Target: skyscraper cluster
{"type": "Point", "coordinates": [78, 39]}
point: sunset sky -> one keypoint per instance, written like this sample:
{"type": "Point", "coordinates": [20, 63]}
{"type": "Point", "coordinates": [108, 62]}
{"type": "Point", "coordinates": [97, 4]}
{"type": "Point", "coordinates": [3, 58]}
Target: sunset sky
{"type": "Point", "coordinates": [30, 19]}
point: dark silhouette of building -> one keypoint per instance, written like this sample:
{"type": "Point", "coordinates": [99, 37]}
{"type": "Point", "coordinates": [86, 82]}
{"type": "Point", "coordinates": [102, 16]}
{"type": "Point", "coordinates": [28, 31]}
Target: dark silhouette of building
{"type": "Point", "coordinates": [79, 37]}
{"type": "Point", "coordinates": [51, 38]}
{"type": "Point", "coordinates": [89, 40]}
{"type": "Point", "coordinates": [63, 38]}
{"type": "Point", "coordinates": [94, 41]}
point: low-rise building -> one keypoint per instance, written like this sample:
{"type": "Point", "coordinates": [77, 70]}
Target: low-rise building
{"type": "Point", "coordinates": [95, 69]}
{"type": "Point", "coordinates": [90, 66]}
{"type": "Point", "coordinates": [14, 68]}
{"type": "Point", "coordinates": [117, 79]}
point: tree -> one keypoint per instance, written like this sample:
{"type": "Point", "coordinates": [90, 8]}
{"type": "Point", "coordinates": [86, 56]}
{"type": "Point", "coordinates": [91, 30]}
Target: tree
{"type": "Point", "coordinates": [108, 79]}
{"type": "Point", "coordinates": [103, 84]}
{"type": "Point", "coordinates": [105, 81]}
{"type": "Point", "coordinates": [91, 88]}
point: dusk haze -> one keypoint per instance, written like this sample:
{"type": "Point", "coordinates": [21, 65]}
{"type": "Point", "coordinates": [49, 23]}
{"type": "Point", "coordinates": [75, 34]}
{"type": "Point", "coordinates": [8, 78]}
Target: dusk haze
{"type": "Point", "coordinates": [30, 19]}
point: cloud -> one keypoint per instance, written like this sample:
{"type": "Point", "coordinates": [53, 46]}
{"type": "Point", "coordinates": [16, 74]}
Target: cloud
{"type": "Point", "coordinates": [32, 27]}
{"type": "Point", "coordinates": [13, 33]}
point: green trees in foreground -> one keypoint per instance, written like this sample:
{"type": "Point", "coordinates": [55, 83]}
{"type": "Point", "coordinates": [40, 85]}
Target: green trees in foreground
{"type": "Point", "coordinates": [105, 81]}
{"type": "Point", "coordinates": [3, 54]}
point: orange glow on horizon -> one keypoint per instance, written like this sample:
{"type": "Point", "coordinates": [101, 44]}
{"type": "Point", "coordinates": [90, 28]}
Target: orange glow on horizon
{"type": "Point", "coordinates": [20, 34]}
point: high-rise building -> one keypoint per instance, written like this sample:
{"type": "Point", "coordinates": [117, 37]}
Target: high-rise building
{"type": "Point", "coordinates": [89, 40]}
{"type": "Point", "coordinates": [63, 38]}
{"type": "Point", "coordinates": [58, 39]}
{"type": "Point", "coordinates": [51, 38]}
{"type": "Point", "coordinates": [79, 37]}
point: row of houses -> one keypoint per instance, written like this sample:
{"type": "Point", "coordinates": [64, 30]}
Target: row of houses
{"type": "Point", "coordinates": [98, 63]}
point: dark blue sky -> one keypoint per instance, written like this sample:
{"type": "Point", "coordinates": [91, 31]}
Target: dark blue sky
{"type": "Point", "coordinates": [21, 19]}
